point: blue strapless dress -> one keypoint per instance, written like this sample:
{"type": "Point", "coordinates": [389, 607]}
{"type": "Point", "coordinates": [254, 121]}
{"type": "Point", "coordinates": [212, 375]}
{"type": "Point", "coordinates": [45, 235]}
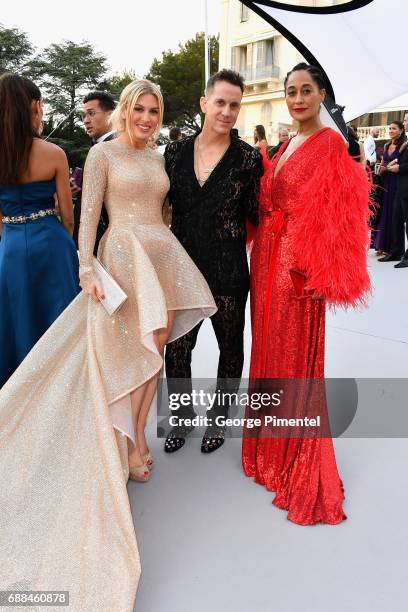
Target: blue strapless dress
{"type": "Point", "coordinates": [38, 272]}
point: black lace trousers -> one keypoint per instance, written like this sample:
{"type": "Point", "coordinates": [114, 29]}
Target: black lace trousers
{"type": "Point", "coordinates": [228, 324]}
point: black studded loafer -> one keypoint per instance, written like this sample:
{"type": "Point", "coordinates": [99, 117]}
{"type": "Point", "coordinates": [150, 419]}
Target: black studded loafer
{"type": "Point", "coordinates": [213, 438]}
{"type": "Point", "coordinates": [177, 438]}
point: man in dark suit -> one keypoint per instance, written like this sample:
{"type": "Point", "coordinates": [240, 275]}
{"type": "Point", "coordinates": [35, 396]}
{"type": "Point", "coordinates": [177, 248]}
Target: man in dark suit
{"type": "Point", "coordinates": [283, 137]}
{"type": "Point", "coordinates": [97, 109]}
{"type": "Point", "coordinates": [400, 212]}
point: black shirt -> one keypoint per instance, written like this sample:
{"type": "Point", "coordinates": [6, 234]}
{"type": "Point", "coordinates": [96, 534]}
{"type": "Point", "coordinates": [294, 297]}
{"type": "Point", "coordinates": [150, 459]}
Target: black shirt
{"type": "Point", "coordinates": [402, 176]}
{"type": "Point", "coordinates": [210, 221]}
{"type": "Point", "coordinates": [354, 150]}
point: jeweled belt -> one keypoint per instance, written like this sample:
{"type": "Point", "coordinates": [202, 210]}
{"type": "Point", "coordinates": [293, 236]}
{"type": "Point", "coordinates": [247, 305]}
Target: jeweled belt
{"type": "Point", "coordinates": [49, 212]}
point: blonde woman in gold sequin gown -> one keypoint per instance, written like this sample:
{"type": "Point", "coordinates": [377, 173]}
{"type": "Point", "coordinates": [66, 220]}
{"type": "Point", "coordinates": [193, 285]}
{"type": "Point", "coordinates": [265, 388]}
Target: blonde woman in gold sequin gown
{"type": "Point", "coordinates": [65, 521]}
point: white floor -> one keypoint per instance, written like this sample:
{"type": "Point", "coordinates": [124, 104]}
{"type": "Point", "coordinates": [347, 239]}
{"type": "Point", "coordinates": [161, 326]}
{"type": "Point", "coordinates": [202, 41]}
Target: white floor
{"type": "Point", "coordinates": [210, 539]}
{"type": "Point", "coordinates": [373, 342]}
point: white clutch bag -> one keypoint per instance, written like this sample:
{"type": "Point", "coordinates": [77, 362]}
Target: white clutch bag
{"type": "Point", "coordinates": [114, 295]}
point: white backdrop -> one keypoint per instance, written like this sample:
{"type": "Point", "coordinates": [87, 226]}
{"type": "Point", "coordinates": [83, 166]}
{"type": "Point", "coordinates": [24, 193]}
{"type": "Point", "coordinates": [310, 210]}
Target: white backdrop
{"type": "Point", "coordinates": [365, 70]}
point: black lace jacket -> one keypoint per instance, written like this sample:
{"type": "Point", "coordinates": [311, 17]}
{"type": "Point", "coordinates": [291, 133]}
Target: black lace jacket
{"type": "Point", "coordinates": [210, 221]}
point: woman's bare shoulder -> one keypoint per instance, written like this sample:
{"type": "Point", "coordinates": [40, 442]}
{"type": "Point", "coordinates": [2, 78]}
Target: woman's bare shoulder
{"type": "Point", "coordinates": [48, 149]}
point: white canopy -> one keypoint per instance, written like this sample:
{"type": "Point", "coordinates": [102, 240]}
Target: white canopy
{"type": "Point", "coordinates": [400, 103]}
{"type": "Point", "coordinates": [349, 46]}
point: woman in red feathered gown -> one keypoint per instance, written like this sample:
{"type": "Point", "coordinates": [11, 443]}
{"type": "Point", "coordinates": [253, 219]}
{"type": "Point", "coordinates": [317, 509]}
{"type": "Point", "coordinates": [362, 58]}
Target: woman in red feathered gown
{"type": "Point", "coordinates": [310, 250]}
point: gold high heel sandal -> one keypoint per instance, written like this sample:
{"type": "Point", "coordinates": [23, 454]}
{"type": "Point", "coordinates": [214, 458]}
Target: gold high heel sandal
{"type": "Point", "coordinates": [139, 473]}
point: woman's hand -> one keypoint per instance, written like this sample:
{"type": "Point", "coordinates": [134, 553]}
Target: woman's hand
{"type": "Point", "coordinates": [92, 288]}
{"type": "Point", "coordinates": [314, 296]}
{"type": "Point", "coordinates": [95, 291]}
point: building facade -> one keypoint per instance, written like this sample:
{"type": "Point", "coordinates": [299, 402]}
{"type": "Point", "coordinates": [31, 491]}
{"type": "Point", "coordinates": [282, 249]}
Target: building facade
{"type": "Point", "coordinates": [263, 56]}
{"type": "Point", "coordinates": [251, 46]}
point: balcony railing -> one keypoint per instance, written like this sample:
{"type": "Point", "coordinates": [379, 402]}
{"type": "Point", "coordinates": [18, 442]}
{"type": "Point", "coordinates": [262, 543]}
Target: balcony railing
{"type": "Point", "coordinates": [363, 132]}
{"type": "Point", "coordinates": [267, 72]}
{"type": "Point", "coordinates": [259, 73]}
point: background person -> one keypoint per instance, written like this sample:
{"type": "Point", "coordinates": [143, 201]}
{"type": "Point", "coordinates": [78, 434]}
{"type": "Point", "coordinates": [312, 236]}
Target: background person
{"type": "Point", "coordinates": [262, 144]}
{"type": "Point", "coordinates": [38, 260]}
{"type": "Point", "coordinates": [175, 134]}
{"type": "Point", "coordinates": [96, 113]}
{"type": "Point", "coordinates": [382, 242]}
{"type": "Point", "coordinates": [370, 146]}
{"type": "Point", "coordinates": [260, 140]}
{"type": "Point", "coordinates": [400, 212]}
{"type": "Point", "coordinates": [282, 138]}
{"type": "Point", "coordinates": [355, 147]}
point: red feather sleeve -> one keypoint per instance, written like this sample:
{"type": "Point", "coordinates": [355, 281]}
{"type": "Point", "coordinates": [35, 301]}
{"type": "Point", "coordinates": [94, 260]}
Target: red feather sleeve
{"type": "Point", "coordinates": [331, 227]}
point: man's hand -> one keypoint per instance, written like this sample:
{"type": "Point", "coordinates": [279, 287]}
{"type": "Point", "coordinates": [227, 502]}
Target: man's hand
{"type": "Point", "coordinates": [74, 188]}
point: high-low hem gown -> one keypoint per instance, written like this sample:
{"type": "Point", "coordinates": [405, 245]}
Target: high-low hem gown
{"type": "Point", "coordinates": [65, 521]}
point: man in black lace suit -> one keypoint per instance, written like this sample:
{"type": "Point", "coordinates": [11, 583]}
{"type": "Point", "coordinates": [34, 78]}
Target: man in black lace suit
{"type": "Point", "coordinates": [214, 184]}
{"type": "Point", "coordinates": [96, 112]}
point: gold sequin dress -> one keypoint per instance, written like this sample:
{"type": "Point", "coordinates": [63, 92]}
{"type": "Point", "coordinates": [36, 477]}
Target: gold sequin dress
{"type": "Point", "coordinates": [65, 520]}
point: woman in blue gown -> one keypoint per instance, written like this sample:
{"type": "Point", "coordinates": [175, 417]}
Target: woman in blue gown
{"type": "Point", "coordinates": [38, 259]}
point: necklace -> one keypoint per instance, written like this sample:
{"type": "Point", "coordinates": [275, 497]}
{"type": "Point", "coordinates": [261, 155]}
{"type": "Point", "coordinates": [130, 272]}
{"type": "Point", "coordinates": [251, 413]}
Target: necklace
{"type": "Point", "coordinates": [201, 167]}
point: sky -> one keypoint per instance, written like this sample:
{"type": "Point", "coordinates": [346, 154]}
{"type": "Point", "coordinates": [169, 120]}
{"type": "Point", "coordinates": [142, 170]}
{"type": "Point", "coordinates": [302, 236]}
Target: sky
{"type": "Point", "coordinates": [129, 33]}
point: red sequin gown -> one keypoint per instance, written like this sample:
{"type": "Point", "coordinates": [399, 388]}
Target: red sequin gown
{"type": "Point", "coordinates": [316, 195]}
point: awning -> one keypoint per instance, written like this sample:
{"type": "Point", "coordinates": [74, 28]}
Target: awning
{"type": "Point", "coordinates": [344, 40]}
{"type": "Point", "coordinates": [397, 104]}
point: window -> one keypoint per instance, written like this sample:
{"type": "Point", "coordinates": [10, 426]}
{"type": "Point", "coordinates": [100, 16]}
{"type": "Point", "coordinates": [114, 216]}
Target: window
{"type": "Point", "coordinates": [244, 12]}
{"type": "Point", "coordinates": [239, 60]}
{"type": "Point", "coordinates": [235, 51]}
{"type": "Point", "coordinates": [266, 115]}
{"type": "Point", "coordinates": [264, 59]}
{"type": "Point", "coordinates": [243, 61]}
{"type": "Point", "coordinates": [255, 61]}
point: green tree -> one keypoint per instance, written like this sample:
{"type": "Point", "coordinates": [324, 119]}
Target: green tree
{"type": "Point", "coordinates": [15, 50]}
{"type": "Point", "coordinates": [116, 83]}
{"type": "Point", "coordinates": [181, 77]}
{"type": "Point", "coordinates": [76, 146]}
{"type": "Point", "coordinates": [64, 71]}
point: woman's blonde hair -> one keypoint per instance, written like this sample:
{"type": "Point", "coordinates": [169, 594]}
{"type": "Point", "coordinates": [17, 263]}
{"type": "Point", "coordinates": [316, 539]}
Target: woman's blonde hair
{"type": "Point", "coordinates": [122, 115]}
